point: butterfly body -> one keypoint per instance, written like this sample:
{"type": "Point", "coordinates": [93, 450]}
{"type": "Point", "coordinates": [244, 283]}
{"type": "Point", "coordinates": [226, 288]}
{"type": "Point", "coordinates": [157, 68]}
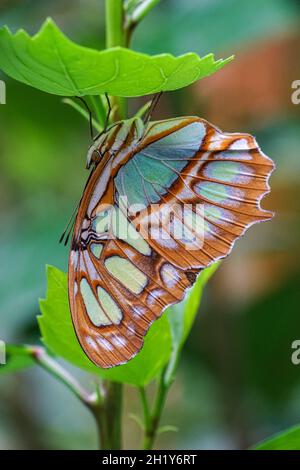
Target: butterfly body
{"type": "Point", "coordinates": [163, 202]}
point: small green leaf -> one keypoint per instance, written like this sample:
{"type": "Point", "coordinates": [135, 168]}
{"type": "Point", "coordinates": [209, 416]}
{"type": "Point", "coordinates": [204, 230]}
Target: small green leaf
{"type": "Point", "coordinates": [286, 440]}
{"type": "Point", "coordinates": [52, 63]}
{"type": "Point", "coordinates": [130, 5]}
{"type": "Point", "coordinates": [59, 336]}
{"type": "Point", "coordinates": [181, 317]}
{"type": "Point", "coordinates": [17, 358]}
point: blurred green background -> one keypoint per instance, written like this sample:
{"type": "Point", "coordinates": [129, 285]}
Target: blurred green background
{"type": "Point", "coordinates": [236, 383]}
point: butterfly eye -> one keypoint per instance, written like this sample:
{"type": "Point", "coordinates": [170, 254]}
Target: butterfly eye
{"type": "Point", "coordinates": [93, 156]}
{"type": "Point", "coordinates": [101, 222]}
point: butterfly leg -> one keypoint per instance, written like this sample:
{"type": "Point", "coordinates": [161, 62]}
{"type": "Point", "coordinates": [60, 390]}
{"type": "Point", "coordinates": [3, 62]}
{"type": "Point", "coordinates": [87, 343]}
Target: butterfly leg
{"type": "Point", "coordinates": [90, 115]}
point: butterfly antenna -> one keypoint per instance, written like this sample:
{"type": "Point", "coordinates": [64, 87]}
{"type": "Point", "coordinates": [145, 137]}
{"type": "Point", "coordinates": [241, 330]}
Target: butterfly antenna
{"type": "Point", "coordinates": [153, 105]}
{"type": "Point", "coordinates": [90, 115]}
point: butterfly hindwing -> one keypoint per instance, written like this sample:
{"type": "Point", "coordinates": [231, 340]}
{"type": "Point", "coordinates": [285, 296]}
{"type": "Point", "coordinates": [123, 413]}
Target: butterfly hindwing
{"type": "Point", "coordinates": [163, 205]}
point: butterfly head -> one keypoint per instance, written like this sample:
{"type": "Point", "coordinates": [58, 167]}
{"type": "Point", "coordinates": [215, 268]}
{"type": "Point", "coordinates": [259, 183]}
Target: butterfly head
{"type": "Point", "coordinates": [119, 135]}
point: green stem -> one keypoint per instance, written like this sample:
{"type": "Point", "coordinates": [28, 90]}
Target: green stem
{"type": "Point", "coordinates": [145, 407]}
{"type": "Point", "coordinates": [83, 113]}
{"type": "Point", "coordinates": [108, 417]}
{"type": "Point", "coordinates": [152, 422]}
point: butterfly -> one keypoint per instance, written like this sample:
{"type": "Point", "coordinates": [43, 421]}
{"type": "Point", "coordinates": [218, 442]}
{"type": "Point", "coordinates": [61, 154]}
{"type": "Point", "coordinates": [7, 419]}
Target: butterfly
{"type": "Point", "coordinates": [127, 262]}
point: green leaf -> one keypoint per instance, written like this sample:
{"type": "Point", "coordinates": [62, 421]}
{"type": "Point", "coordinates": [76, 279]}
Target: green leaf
{"type": "Point", "coordinates": [286, 440]}
{"type": "Point", "coordinates": [181, 317]}
{"type": "Point", "coordinates": [17, 358]}
{"type": "Point", "coordinates": [59, 336]}
{"type": "Point", "coordinates": [52, 63]}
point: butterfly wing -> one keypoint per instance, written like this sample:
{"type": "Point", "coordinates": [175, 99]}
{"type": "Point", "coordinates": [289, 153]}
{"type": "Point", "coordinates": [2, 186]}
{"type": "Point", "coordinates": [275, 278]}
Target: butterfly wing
{"type": "Point", "coordinates": [127, 267]}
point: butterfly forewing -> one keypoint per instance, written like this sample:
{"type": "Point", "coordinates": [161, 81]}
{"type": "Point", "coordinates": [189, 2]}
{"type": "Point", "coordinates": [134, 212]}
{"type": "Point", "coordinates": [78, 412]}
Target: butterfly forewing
{"type": "Point", "coordinates": [166, 202]}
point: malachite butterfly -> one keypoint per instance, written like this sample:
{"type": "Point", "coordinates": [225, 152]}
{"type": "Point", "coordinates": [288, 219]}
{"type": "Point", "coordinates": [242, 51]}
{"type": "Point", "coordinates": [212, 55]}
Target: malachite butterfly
{"type": "Point", "coordinates": [164, 200]}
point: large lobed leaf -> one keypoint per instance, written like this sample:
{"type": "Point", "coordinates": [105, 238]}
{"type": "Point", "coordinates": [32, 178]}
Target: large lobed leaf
{"type": "Point", "coordinates": [181, 318]}
{"type": "Point", "coordinates": [52, 63]}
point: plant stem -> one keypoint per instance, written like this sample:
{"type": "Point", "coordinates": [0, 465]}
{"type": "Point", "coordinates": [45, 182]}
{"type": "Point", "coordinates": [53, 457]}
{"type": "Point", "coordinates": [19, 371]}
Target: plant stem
{"type": "Point", "coordinates": [99, 109]}
{"type": "Point", "coordinates": [145, 406]}
{"type": "Point", "coordinates": [153, 419]}
{"type": "Point", "coordinates": [108, 417]}
{"type": "Point", "coordinates": [115, 37]}
{"type": "Point", "coordinates": [83, 113]}
{"type": "Point", "coordinates": [114, 23]}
